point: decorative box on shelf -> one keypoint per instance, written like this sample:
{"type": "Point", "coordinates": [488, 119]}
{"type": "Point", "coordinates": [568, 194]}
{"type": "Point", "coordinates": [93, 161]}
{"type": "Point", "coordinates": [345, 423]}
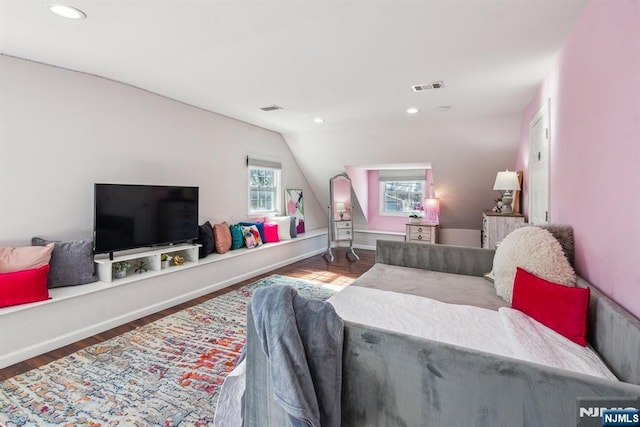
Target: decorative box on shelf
{"type": "Point", "coordinates": [422, 233]}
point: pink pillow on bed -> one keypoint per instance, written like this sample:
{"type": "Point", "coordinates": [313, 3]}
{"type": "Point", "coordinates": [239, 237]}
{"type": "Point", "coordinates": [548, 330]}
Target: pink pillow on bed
{"type": "Point", "coordinates": [271, 232]}
{"type": "Point", "coordinates": [561, 308]}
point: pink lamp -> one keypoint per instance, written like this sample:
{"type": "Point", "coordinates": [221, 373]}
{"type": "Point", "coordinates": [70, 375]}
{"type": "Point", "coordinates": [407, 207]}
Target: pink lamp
{"type": "Point", "coordinates": [432, 211]}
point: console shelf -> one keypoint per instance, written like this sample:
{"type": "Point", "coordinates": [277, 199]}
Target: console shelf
{"type": "Point", "coordinates": [145, 262]}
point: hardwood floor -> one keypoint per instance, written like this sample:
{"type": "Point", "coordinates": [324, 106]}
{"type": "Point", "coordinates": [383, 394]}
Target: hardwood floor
{"type": "Point", "coordinates": [339, 272]}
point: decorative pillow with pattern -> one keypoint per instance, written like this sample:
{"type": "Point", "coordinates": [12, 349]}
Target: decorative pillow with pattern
{"type": "Point", "coordinates": [252, 237]}
{"type": "Point", "coordinates": [259, 226]}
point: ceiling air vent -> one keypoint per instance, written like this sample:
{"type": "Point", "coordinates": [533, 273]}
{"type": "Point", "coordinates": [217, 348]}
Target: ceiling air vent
{"type": "Point", "coordinates": [271, 108]}
{"type": "Point", "coordinates": [433, 85]}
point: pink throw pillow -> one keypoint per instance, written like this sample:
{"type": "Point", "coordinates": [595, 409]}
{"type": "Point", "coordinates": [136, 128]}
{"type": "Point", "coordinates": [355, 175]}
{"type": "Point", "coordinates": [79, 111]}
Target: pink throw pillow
{"type": "Point", "coordinates": [561, 308]}
{"type": "Point", "coordinates": [20, 287]}
{"type": "Point", "coordinates": [271, 232]}
{"type": "Point", "coordinates": [222, 237]}
{"type": "Point", "coordinates": [24, 258]}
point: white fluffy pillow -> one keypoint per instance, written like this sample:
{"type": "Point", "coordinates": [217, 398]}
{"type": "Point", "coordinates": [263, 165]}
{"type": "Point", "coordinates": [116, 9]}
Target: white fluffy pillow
{"type": "Point", "coordinates": [284, 225]}
{"type": "Point", "coordinates": [535, 250]}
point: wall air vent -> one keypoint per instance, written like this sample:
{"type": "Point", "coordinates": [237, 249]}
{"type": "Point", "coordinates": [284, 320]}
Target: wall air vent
{"type": "Point", "coordinates": [433, 85]}
{"type": "Point", "coordinates": [271, 108]}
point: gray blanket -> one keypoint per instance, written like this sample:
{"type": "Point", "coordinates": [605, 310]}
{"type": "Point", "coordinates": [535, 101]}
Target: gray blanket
{"type": "Point", "coordinates": [302, 338]}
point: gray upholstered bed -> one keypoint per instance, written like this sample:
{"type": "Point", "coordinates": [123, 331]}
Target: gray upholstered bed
{"type": "Point", "coordinates": [393, 379]}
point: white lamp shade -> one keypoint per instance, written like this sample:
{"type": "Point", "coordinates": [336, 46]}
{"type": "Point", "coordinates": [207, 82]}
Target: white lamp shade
{"type": "Point", "coordinates": [340, 207]}
{"type": "Point", "coordinates": [506, 181]}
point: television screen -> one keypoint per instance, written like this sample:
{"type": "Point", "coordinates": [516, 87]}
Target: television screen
{"type": "Point", "coordinates": [132, 216]}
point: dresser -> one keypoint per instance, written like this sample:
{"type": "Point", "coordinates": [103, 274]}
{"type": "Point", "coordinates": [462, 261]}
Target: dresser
{"type": "Point", "coordinates": [421, 233]}
{"type": "Point", "coordinates": [496, 226]}
{"type": "Point", "coordinates": [342, 230]}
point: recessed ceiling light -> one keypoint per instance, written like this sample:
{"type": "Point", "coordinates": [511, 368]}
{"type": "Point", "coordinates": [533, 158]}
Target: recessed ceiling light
{"type": "Point", "coordinates": [412, 110]}
{"type": "Point", "coordinates": [318, 120]}
{"type": "Point", "coordinates": [67, 11]}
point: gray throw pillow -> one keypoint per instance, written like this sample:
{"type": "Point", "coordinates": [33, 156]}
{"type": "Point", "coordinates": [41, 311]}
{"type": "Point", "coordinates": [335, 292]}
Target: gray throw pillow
{"type": "Point", "coordinates": [71, 262]}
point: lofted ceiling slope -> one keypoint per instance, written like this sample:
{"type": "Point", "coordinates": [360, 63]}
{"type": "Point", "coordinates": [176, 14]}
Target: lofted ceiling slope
{"type": "Point", "coordinates": [350, 62]}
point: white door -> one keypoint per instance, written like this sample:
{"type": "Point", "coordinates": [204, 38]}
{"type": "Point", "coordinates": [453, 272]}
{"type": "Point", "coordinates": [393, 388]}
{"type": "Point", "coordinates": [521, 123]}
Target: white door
{"type": "Point", "coordinates": [539, 134]}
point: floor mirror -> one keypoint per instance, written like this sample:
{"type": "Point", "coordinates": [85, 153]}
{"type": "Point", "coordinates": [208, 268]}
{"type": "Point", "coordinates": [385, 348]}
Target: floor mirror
{"type": "Point", "coordinates": [340, 219]}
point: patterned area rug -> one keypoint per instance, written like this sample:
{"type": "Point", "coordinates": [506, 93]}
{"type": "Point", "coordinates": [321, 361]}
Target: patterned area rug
{"type": "Point", "coordinates": [166, 373]}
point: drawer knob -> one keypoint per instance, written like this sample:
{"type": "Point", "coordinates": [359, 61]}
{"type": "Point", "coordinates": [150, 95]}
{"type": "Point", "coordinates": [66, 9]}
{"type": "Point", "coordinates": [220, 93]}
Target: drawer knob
{"type": "Point", "coordinates": [420, 229]}
{"type": "Point", "coordinates": [420, 237]}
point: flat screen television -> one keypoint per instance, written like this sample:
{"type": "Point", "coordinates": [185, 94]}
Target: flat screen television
{"type": "Point", "coordinates": [133, 216]}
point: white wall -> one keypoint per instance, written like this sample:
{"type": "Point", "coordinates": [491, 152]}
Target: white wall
{"type": "Point", "coordinates": [61, 131]}
{"type": "Point", "coordinates": [465, 155]}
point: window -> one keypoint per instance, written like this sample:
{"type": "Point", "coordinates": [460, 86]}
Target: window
{"type": "Point", "coordinates": [401, 197]}
{"type": "Point", "coordinates": [264, 186]}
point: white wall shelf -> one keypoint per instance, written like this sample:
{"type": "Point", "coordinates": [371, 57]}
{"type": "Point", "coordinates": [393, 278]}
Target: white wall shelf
{"type": "Point", "coordinates": [151, 259]}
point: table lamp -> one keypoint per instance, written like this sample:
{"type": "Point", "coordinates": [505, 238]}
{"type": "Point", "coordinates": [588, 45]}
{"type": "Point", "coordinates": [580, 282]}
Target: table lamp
{"type": "Point", "coordinates": [507, 181]}
{"type": "Point", "coordinates": [432, 211]}
{"type": "Point", "coordinates": [341, 208]}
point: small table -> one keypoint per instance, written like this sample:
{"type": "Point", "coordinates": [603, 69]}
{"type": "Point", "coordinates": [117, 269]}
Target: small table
{"type": "Point", "coordinates": [422, 233]}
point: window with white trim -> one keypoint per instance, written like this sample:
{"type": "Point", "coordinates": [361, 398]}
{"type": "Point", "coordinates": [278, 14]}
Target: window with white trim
{"type": "Point", "coordinates": [264, 186]}
{"type": "Point", "coordinates": [401, 192]}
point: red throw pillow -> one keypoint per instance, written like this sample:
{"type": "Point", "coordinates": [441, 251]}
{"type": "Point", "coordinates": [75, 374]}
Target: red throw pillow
{"type": "Point", "coordinates": [24, 286]}
{"type": "Point", "coordinates": [561, 308]}
{"type": "Point", "coordinates": [271, 232]}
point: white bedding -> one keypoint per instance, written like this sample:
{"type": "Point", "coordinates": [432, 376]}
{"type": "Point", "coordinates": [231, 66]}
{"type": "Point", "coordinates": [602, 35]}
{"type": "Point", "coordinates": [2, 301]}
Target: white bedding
{"type": "Point", "coordinates": [506, 332]}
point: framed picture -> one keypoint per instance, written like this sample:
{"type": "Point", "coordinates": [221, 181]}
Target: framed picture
{"type": "Point", "coordinates": [294, 205]}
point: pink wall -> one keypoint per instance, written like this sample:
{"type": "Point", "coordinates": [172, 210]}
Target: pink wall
{"type": "Point", "coordinates": [594, 97]}
{"type": "Point", "coordinates": [386, 223]}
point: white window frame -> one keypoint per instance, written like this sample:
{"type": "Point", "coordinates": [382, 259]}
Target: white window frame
{"type": "Point", "coordinates": [381, 192]}
{"type": "Point", "coordinates": [276, 190]}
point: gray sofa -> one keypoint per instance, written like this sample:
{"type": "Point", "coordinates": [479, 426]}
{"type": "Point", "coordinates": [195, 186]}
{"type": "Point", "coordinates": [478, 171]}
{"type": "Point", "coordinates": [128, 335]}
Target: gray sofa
{"type": "Point", "coordinates": [391, 379]}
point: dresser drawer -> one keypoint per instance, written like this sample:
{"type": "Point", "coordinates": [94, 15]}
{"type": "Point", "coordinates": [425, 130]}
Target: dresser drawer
{"type": "Point", "coordinates": [342, 234]}
{"type": "Point", "coordinates": [420, 236]}
{"type": "Point", "coordinates": [342, 230]}
{"type": "Point", "coordinates": [421, 233]}
{"type": "Point", "coordinates": [343, 224]}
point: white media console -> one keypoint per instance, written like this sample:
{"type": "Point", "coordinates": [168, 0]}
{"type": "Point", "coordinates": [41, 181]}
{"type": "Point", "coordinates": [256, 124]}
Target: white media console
{"type": "Point", "coordinates": [146, 261]}
{"type": "Point", "coordinates": [77, 312]}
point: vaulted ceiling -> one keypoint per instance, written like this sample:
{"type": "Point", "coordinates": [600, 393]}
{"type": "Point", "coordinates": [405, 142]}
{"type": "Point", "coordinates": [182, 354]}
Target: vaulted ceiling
{"type": "Point", "coordinates": [350, 62]}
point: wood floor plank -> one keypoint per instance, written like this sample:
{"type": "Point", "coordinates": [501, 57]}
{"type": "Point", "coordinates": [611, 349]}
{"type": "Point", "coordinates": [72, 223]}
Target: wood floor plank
{"type": "Point", "coordinates": [340, 272]}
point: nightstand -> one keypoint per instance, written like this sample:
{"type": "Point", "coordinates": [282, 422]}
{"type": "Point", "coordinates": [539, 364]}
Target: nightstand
{"type": "Point", "coordinates": [422, 233]}
{"type": "Point", "coordinates": [342, 230]}
{"type": "Point", "coordinates": [496, 226]}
